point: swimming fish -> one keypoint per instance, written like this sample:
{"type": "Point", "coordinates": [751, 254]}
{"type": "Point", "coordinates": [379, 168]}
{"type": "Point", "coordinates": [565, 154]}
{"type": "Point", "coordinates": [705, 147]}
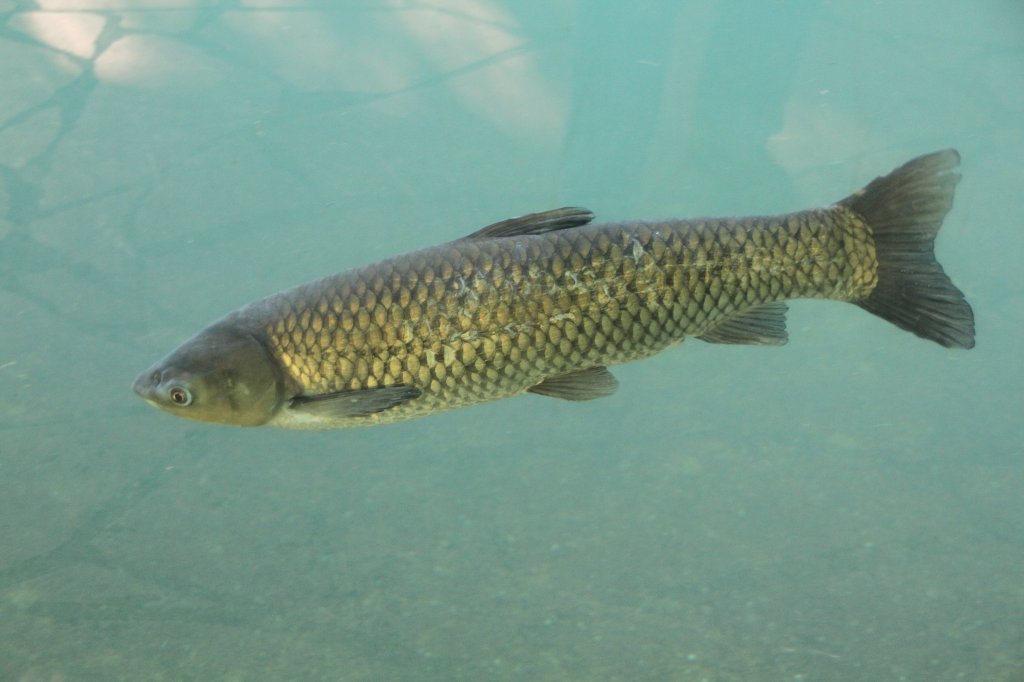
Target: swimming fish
{"type": "Point", "coordinates": [545, 302]}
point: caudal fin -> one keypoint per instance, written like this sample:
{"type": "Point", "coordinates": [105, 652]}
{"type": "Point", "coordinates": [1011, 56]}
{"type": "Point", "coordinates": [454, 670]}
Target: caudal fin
{"type": "Point", "coordinates": [905, 210]}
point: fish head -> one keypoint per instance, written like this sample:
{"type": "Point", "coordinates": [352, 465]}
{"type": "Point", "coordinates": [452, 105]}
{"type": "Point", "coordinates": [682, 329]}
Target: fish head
{"type": "Point", "coordinates": [222, 374]}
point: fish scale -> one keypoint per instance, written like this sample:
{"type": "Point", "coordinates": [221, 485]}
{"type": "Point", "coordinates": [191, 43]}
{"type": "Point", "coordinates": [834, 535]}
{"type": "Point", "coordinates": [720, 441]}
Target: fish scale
{"type": "Point", "coordinates": [478, 320]}
{"type": "Point", "coordinates": [546, 302]}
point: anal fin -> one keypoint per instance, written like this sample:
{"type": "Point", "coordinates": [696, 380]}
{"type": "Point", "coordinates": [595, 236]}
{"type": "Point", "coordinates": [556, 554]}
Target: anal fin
{"type": "Point", "coordinates": [583, 384]}
{"type": "Point", "coordinates": [763, 324]}
{"type": "Point", "coordinates": [357, 403]}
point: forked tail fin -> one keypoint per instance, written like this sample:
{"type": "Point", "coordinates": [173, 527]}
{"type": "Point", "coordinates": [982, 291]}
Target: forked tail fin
{"type": "Point", "coordinates": [905, 210]}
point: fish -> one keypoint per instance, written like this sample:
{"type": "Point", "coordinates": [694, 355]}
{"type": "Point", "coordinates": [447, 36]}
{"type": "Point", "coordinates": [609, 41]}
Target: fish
{"type": "Point", "coordinates": [544, 303]}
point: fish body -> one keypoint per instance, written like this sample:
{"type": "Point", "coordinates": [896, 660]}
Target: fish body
{"type": "Point", "coordinates": [546, 302]}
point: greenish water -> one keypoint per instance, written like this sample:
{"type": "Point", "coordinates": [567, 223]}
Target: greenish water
{"type": "Point", "coordinates": [846, 507]}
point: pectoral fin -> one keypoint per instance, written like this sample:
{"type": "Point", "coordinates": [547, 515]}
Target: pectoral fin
{"type": "Point", "coordinates": [764, 324]}
{"type": "Point", "coordinates": [358, 403]}
{"type": "Point", "coordinates": [584, 384]}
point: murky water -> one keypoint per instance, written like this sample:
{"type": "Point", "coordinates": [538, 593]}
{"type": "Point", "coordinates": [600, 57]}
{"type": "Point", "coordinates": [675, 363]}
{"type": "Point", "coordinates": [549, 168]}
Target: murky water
{"type": "Point", "coordinates": [846, 507]}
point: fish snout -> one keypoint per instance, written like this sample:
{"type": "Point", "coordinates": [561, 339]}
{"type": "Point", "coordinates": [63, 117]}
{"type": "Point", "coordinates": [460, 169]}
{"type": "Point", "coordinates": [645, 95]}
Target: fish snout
{"type": "Point", "coordinates": [146, 384]}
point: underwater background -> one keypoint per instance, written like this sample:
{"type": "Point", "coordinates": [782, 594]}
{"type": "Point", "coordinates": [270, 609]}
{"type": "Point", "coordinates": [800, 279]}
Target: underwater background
{"type": "Point", "coordinates": [847, 507]}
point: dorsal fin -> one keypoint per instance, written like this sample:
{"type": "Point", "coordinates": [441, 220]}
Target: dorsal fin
{"type": "Point", "coordinates": [763, 324]}
{"type": "Point", "coordinates": [535, 223]}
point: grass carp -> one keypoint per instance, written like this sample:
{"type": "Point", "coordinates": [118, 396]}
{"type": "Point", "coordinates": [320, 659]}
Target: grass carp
{"type": "Point", "coordinates": [545, 302]}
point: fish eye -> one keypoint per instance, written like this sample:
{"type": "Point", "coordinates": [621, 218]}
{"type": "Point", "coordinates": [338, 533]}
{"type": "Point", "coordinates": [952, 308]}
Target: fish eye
{"type": "Point", "coordinates": [180, 396]}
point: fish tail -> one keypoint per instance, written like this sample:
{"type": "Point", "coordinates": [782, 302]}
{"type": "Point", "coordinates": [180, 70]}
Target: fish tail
{"type": "Point", "coordinates": [905, 210]}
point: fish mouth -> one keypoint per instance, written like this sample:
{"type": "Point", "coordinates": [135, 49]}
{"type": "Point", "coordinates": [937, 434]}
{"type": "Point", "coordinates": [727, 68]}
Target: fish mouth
{"type": "Point", "coordinates": [143, 386]}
